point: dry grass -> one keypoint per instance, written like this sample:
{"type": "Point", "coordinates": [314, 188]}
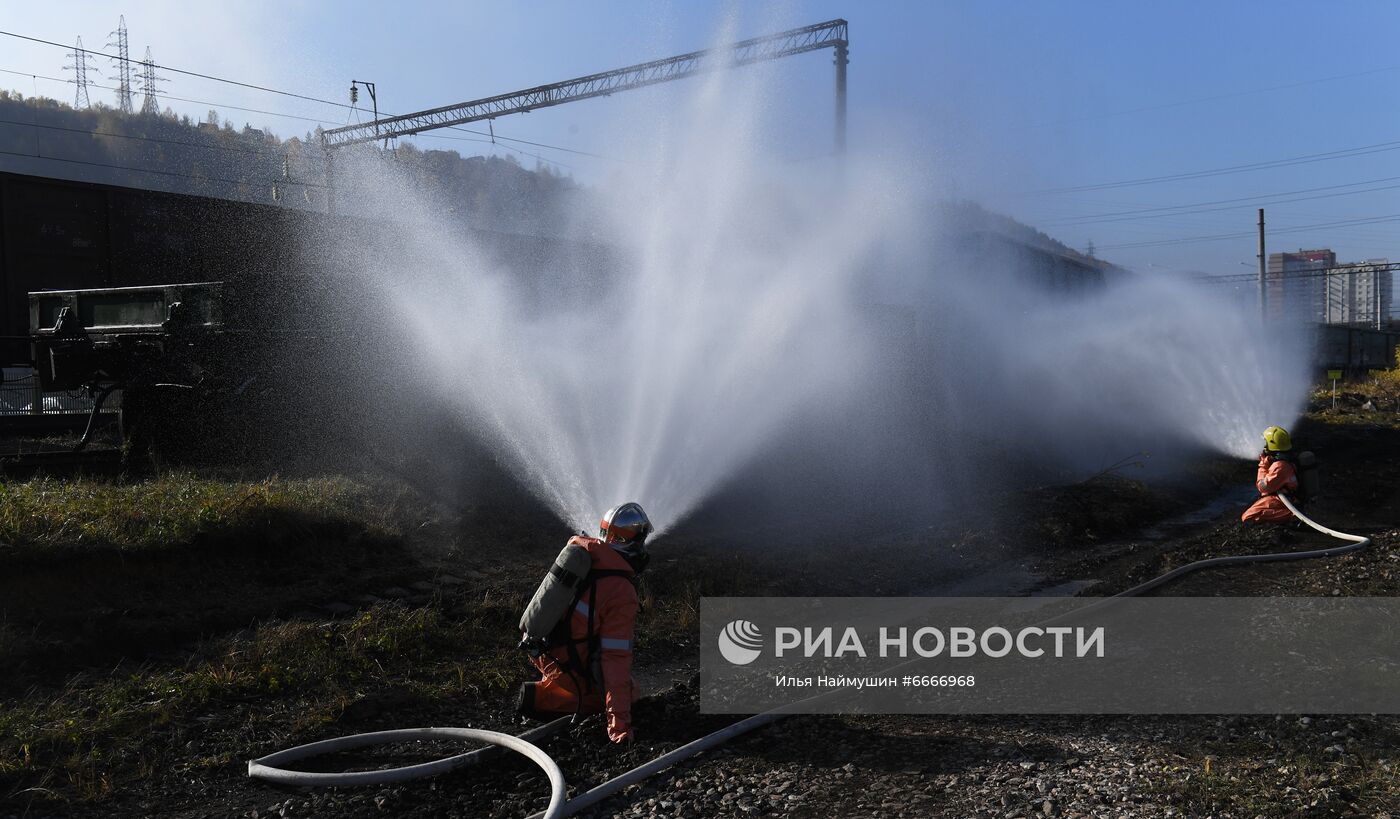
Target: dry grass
{"type": "Point", "coordinates": [670, 594]}
{"type": "Point", "coordinates": [1374, 399]}
{"type": "Point", "coordinates": [1386, 383]}
{"type": "Point", "coordinates": [1393, 374]}
{"type": "Point", "coordinates": [1248, 779]}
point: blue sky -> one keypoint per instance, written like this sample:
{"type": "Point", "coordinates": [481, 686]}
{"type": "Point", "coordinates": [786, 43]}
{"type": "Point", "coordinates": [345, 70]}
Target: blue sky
{"type": "Point", "coordinates": [998, 99]}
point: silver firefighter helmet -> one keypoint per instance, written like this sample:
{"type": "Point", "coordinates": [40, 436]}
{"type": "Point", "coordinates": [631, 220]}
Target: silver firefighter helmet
{"type": "Point", "coordinates": [625, 529]}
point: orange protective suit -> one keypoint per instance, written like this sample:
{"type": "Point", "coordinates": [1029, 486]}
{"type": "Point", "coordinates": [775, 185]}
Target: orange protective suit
{"type": "Point", "coordinates": [612, 602]}
{"type": "Point", "coordinates": [1275, 475]}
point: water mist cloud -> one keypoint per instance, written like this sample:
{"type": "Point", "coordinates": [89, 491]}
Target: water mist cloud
{"type": "Point", "coordinates": [820, 330]}
{"type": "Point", "coordinates": [1146, 364]}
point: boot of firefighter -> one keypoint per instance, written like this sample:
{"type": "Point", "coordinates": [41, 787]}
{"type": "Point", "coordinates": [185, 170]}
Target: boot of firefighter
{"type": "Point", "coordinates": [555, 695]}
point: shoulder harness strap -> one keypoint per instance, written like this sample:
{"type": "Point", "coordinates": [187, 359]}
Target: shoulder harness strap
{"type": "Point", "coordinates": [563, 632]}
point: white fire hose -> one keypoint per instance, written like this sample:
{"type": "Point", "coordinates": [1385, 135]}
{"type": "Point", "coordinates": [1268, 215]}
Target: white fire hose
{"type": "Point", "coordinates": [265, 767]}
{"type": "Point", "coordinates": [1357, 542]}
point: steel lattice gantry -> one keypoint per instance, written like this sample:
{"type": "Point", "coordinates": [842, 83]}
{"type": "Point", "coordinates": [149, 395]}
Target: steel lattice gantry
{"type": "Point", "coordinates": [831, 34]}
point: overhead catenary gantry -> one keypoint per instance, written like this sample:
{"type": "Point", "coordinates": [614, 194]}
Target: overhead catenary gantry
{"type": "Point", "coordinates": [831, 34]}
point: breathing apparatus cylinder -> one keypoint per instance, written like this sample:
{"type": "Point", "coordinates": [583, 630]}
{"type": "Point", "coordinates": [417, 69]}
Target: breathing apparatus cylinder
{"type": "Point", "coordinates": [554, 596]}
{"type": "Point", "coordinates": [1309, 481]}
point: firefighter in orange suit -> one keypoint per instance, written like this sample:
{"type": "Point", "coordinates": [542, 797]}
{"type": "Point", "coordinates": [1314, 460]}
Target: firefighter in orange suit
{"type": "Point", "coordinates": [1276, 475]}
{"type": "Point", "coordinates": [591, 671]}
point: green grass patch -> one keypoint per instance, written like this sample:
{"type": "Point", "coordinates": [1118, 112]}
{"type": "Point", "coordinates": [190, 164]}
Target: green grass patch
{"type": "Point", "coordinates": [280, 679]}
{"type": "Point", "coordinates": [51, 517]}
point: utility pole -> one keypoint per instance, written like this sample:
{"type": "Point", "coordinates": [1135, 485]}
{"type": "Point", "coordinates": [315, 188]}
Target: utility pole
{"type": "Point", "coordinates": [330, 176]}
{"type": "Point", "coordinates": [373, 98]}
{"type": "Point", "coordinates": [1263, 260]}
{"type": "Point", "coordinates": [326, 147]}
{"type": "Point", "coordinates": [1376, 291]}
{"type": "Point", "coordinates": [842, 50]}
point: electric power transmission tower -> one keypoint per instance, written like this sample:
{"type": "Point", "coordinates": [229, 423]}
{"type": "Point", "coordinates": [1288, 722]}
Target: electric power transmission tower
{"type": "Point", "coordinates": [80, 78]}
{"type": "Point", "coordinates": [149, 81]}
{"type": "Point", "coordinates": [123, 61]}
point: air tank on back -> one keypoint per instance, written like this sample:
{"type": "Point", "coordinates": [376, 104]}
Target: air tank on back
{"type": "Point", "coordinates": [553, 597]}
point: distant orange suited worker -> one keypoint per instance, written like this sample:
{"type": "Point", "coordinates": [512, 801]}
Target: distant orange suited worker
{"type": "Point", "coordinates": [1276, 474]}
{"type": "Point", "coordinates": [578, 628]}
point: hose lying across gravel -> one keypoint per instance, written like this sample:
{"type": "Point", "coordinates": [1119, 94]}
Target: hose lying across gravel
{"type": "Point", "coordinates": [265, 768]}
{"type": "Point", "coordinates": [1357, 543]}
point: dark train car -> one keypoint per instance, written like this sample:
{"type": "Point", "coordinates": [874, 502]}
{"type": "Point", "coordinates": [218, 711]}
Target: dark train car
{"type": "Point", "coordinates": [1354, 350]}
{"type": "Point", "coordinates": [63, 235]}
{"type": "Point", "coordinates": [51, 234]}
{"type": "Point", "coordinates": [1050, 269]}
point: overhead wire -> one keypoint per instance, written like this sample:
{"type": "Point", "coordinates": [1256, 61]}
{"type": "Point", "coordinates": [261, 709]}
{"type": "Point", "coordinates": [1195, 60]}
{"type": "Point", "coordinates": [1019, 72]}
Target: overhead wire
{"type": "Point", "coordinates": [1162, 211]}
{"type": "Point", "coordinates": [1342, 153]}
{"type": "Point", "coordinates": [521, 141]}
{"type": "Point", "coordinates": [296, 95]}
{"type": "Point", "coordinates": [1124, 183]}
{"type": "Point", "coordinates": [1216, 97]}
{"type": "Point", "coordinates": [181, 71]}
{"type": "Point", "coordinates": [1183, 210]}
{"type": "Point", "coordinates": [201, 177]}
{"type": "Point", "coordinates": [269, 153]}
{"type": "Point", "coordinates": [1231, 204]}
{"type": "Point", "coordinates": [321, 122]}
{"type": "Point", "coordinates": [1158, 212]}
{"type": "Point", "coordinates": [1370, 220]}
{"type": "Point", "coordinates": [162, 140]}
{"type": "Point", "coordinates": [1355, 269]}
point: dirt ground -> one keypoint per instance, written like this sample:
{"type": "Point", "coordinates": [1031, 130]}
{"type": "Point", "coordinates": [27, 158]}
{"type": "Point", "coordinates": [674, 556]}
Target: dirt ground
{"type": "Point", "coordinates": [140, 684]}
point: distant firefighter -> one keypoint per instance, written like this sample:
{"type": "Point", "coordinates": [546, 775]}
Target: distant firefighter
{"type": "Point", "coordinates": [578, 627]}
{"type": "Point", "coordinates": [1277, 474]}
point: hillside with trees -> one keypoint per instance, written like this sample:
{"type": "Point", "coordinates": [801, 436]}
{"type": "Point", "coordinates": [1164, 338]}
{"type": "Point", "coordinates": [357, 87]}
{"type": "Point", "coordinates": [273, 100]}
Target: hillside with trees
{"type": "Point", "coordinates": [213, 158]}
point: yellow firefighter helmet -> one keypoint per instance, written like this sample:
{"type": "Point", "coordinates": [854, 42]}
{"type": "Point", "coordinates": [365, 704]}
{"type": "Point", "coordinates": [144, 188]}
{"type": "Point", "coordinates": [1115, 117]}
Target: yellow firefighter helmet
{"type": "Point", "coordinates": [1276, 439]}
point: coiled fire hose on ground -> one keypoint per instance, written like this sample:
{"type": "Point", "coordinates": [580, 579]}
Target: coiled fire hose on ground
{"type": "Point", "coordinates": [265, 767]}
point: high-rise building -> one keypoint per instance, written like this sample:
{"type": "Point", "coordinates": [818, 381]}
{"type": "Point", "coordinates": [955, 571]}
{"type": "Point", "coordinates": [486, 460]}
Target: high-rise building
{"type": "Point", "coordinates": [1310, 286]}
{"type": "Point", "coordinates": [1295, 287]}
{"type": "Point", "coordinates": [1360, 293]}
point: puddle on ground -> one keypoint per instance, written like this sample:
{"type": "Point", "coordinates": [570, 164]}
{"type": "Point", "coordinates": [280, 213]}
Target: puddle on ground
{"type": "Point", "coordinates": [1236, 498]}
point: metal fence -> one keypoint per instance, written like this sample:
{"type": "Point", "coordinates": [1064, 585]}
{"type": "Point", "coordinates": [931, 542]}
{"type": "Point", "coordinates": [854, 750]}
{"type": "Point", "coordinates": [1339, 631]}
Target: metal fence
{"type": "Point", "coordinates": [20, 395]}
